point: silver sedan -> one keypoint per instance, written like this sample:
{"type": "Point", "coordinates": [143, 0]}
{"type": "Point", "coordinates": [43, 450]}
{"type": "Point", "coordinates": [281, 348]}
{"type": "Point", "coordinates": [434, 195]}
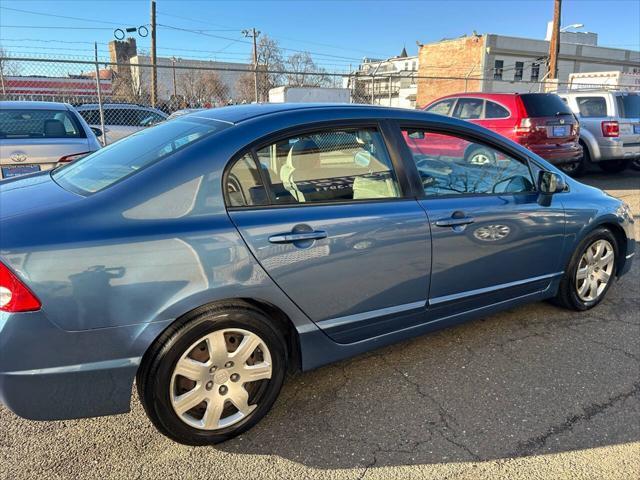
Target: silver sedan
{"type": "Point", "coordinates": [37, 136]}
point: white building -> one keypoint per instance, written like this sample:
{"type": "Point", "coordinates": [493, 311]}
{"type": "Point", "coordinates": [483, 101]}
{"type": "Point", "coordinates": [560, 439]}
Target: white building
{"type": "Point", "coordinates": [174, 80]}
{"type": "Point", "coordinates": [387, 82]}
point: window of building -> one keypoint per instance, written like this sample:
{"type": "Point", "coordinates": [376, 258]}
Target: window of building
{"type": "Point", "coordinates": [519, 69]}
{"type": "Point", "coordinates": [450, 165]}
{"type": "Point", "coordinates": [328, 166]}
{"type": "Point", "coordinates": [535, 72]}
{"type": "Point", "coordinates": [498, 67]}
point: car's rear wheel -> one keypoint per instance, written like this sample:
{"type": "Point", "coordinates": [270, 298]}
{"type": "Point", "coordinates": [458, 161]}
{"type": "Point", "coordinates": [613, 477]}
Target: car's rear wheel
{"type": "Point", "coordinates": [213, 375]}
{"type": "Point", "coordinates": [591, 271]}
{"type": "Point", "coordinates": [613, 166]}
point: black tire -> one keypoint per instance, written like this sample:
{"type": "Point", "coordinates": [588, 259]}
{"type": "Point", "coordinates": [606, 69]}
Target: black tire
{"type": "Point", "coordinates": [577, 169]}
{"type": "Point", "coordinates": [635, 165]}
{"type": "Point", "coordinates": [614, 166]}
{"type": "Point", "coordinates": [485, 153]}
{"type": "Point", "coordinates": [154, 375]}
{"type": "Point", "coordinates": [567, 293]}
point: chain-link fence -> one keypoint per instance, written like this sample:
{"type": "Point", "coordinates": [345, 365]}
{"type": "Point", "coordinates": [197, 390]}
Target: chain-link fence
{"type": "Point", "coordinates": [121, 96]}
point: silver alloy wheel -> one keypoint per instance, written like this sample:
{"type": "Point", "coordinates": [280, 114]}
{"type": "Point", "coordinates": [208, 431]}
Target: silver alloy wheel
{"type": "Point", "coordinates": [595, 270]}
{"type": "Point", "coordinates": [212, 381]}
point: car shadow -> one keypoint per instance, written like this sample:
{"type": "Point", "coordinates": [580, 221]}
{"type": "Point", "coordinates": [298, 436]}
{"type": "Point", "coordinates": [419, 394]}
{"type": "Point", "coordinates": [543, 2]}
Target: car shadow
{"type": "Point", "coordinates": [532, 380]}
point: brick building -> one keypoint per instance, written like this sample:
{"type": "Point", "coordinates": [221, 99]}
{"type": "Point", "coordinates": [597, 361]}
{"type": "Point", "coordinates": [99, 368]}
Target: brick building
{"type": "Point", "coordinates": [497, 63]}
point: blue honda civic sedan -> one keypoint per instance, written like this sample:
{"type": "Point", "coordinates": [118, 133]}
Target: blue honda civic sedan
{"type": "Point", "coordinates": [204, 257]}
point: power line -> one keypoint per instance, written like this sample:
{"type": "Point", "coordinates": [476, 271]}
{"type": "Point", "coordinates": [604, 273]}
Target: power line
{"type": "Point", "coordinates": [54, 27]}
{"type": "Point", "coordinates": [90, 20]}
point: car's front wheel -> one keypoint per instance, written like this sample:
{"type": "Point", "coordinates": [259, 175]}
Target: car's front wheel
{"type": "Point", "coordinates": [590, 272]}
{"type": "Point", "coordinates": [213, 375]}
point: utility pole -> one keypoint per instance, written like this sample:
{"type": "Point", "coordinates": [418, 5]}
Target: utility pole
{"type": "Point", "coordinates": [554, 43]}
{"type": "Point", "coordinates": [253, 33]}
{"type": "Point", "coordinates": [154, 69]}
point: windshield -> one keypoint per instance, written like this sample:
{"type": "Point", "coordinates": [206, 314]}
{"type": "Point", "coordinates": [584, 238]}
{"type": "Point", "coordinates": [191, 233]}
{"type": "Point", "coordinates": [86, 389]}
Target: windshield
{"type": "Point", "coordinates": [544, 105]}
{"type": "Point", "coordinates": [130, 155]}
{"type": "Point", "coordinates": [629, 105]}
{"type": "Point", "coordinates": [31, 123]}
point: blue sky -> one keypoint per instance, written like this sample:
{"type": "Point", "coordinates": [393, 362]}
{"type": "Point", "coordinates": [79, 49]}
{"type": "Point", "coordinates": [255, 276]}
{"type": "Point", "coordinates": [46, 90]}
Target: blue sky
{"type": "Point", "coordinates": [337, 32]}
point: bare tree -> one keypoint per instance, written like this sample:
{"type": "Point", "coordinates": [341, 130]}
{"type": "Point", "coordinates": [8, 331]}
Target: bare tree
{"type": "Point", "coordinates": [305, 72]}
{"type": "Point", "coordinates": [126, 89]}
{"type": "Point", "coordinates": [203, 87]}
{"type": "Point", "coordinates": [270, 62]}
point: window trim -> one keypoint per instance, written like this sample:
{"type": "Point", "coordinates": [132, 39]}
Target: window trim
{"type": "Point", "coordinates": [468, 135]}
{"type": "Point", "coordinates": [388, 138]}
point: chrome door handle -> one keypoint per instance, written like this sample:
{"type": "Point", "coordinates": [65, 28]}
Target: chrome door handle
{"type": "Point", "coordinates": [454, 222]}
{"type": "Point", "coordinates": [298, 237]}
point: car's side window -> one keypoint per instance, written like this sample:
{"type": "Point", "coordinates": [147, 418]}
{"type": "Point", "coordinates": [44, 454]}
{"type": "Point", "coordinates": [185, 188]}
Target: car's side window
{"type": "Point", "coordinates": [328, 166]}
{"type": "Point", "coordinates": [243, 184]}
{"type": "Point", "coordinates": [468, 108]}
{"type": "Point", "coordinates": [494, 110]}
{"type": "Point", "coordinates": [592, 106]}
{"type": "Point", "coordinates": [442, 107]}
{"type": "Point", "coordinates": [452, 165]}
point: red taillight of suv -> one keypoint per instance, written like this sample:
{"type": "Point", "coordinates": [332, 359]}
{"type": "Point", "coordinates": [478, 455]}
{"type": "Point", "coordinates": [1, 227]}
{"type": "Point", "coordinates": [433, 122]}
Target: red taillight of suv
{"type": "Point", "coordinates": [610, 129]}
{"type": "Point", "coordinates": [14, 295]}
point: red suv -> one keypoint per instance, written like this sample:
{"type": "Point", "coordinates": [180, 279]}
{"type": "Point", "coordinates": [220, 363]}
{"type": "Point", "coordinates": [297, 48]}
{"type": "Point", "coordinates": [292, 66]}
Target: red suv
{"type": "Point", "coordinates": [541, 122]}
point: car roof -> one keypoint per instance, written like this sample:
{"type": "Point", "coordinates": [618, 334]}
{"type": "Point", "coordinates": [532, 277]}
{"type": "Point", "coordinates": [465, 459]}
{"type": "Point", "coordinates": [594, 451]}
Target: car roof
{"type": "Point", "coordinates": [34, 105]}
{"type": "Point", "coordinates": [240, 113]}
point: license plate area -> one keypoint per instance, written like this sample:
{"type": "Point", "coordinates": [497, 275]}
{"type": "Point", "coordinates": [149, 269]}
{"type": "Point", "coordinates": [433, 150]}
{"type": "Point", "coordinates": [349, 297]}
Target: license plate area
{"type": "Point", "coordinates": [559, 131]}
{"type": "Point", "coordinates": [9, 171]}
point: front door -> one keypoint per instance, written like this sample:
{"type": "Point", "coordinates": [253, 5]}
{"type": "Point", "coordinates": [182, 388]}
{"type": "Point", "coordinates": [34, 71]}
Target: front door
{"type": "Point", "coordinates": [491, 239]}
{"type": "Point", "coordinates": [334, 230]}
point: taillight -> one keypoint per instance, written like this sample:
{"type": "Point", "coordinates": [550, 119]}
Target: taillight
{"type": "Point", "coordinates": [14, 295]}
{"type": "Point", "coordinates": [75, 156]}
{"type": "Point", "coordinates": [525, 128]}
{"type": "Point", "coordinates": [611, 129]}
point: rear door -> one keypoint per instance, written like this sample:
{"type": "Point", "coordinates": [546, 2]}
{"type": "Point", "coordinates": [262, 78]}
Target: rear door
{"type": "Point", "coordinates": [499, 118]}
{"type": "Point", "coordinates": [336, 228]}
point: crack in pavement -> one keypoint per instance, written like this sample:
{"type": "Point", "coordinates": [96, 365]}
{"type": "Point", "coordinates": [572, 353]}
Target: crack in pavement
{"type": "Point", "coordinates": [529, 446]}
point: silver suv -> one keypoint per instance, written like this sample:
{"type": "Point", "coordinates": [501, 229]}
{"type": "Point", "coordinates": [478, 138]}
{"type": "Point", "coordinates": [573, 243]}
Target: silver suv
{"type": "Point", "coordinates": [121, 119]}
{"type": "Point", "coordinates": [609, 127]}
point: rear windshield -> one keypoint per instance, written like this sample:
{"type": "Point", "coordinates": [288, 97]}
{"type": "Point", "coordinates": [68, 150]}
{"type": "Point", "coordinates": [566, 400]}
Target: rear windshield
{"type": "Point", "coordinates": [544, 105]}
{"type": "Point", "coordinates": [130, 155]}
{"type": "Point", "coordinates": [26, 123]}
{"type": "Point", "coordinates": [629, 105]}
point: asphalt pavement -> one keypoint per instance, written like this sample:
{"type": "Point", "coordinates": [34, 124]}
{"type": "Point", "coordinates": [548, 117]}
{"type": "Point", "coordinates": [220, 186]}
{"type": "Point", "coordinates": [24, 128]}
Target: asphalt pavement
{"type": "Point", "coordinates": [535, 392]}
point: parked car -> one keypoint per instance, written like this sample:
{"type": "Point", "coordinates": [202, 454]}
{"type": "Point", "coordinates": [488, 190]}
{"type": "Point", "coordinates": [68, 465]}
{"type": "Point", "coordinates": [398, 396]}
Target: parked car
{"type": "Point", "coordinates": [610, 126]}
{"type": "Point", "coordinates": [207, 255]}
{"type": "Point", "coordinates": [37, 136]}
{"type": "Point", "coordinates": [541, 122]}
{"type": "Point", "coordinates": [121, 119]}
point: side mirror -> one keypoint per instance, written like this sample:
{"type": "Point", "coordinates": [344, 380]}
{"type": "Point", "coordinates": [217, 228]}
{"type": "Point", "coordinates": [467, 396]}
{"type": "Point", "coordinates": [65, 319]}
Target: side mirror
{"type": "Point", "coordinates": [550, 183]}
{"type": "Point", "coordinates": [96, 131]}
